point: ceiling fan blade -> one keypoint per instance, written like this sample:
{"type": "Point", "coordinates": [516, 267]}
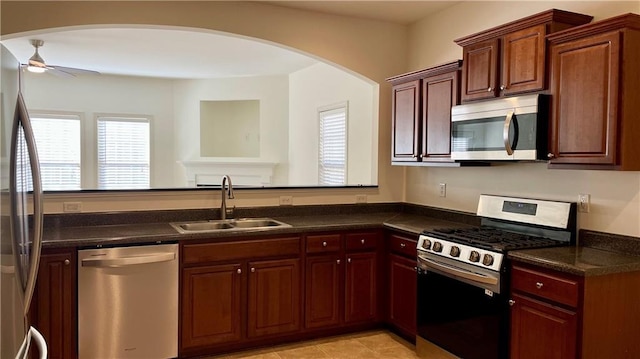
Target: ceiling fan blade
{"type": "Point", "coordinates": [72, 70]}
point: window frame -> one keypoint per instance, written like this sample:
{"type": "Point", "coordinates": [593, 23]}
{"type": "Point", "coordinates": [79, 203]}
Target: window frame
{"type": "Point", "coordinates": [333, 107]}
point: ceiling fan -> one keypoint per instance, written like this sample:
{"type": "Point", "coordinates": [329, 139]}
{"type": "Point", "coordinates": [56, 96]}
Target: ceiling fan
{"type": "Point", "coordinates": [36, 64]}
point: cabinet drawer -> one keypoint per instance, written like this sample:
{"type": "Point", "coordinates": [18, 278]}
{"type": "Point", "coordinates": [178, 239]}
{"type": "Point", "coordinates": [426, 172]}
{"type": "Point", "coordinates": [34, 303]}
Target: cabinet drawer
{"type": "Point", "coordinates": [550, 286]}
{"type": "Point", "coordinates": [361, 241]}
{"type": "Point", "coordinates": [323, 243]}
{"type": "Point", "coordinates": [248, 249]}
{"type": "Point", "coordinates": [403, 246]}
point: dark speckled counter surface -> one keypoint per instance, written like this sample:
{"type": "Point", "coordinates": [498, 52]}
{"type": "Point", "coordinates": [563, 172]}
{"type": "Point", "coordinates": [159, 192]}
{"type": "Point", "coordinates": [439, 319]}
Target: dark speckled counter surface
{"type": "Point", "coordinates": [582, 261]}
{"type": "Point", "coordinates": [599, 254]}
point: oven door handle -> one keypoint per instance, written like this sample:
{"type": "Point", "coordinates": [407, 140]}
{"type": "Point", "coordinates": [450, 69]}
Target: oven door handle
{"type": "Point", "coordinates": [476, 277]}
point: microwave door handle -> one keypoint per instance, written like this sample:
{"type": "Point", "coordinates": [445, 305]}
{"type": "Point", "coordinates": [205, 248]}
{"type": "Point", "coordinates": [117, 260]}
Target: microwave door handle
{"type": "Point", "coordinates": [505, 133]}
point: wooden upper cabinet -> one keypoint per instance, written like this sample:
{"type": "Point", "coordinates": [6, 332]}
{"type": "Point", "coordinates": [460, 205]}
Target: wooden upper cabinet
{"type": "Point", "coordinates": [595, 86]}
{"type": "Point", "coordinates": [480, 70]}
{"type": "Point", "coordinates": [421, 113]}
{"type": "Point", "coordinates": [405, 118]}
{"type": "Point", "coordinates": [511, 58]}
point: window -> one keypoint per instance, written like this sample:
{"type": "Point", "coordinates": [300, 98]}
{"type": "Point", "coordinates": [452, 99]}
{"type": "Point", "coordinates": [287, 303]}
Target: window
{"type": "Point", "coordinates": [332, 162]}
{"type": "Point", "coordinates": [58, 143]}
{"type": "Point", "coordinates": [123, 153]}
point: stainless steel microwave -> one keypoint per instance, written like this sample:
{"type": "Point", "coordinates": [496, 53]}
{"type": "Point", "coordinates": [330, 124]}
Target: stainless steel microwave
{"type": "Point", "coordinates": [512, 128]}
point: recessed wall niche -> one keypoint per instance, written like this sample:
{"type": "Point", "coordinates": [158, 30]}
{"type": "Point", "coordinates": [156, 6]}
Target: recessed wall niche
{"type": "Point", "coordinates": [230, 128]}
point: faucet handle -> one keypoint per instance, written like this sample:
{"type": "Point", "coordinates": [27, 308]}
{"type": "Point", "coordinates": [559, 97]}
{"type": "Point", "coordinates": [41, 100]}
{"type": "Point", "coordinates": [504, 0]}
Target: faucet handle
{"type": "Point", "coordinates": [229, 212]}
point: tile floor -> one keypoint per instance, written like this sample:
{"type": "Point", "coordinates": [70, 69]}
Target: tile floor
{"type": "Point", "coordinates": [377, 344]}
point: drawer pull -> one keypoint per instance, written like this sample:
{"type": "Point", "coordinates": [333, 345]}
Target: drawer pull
{"type": "Point", "coordinates": [338, 261]}
{"type": "Point", "coordinates": [253, 270]}
{"type": "Point", "coordinates": [67, 262]}
{"type": "Point", "coordinates": [362, 241]}
{"type": "Point", "coordinates": [539, 285]}
{"type": "Point", "coordinates": [239, 271]}
{"type": "Point", "coordinates": [324, 244]}
{"type": "Point", "coordinates": [512, 302]}
{"type": "Point", "coordinates": [402, 245]}
{"type": "Point", "coordinates": [348, 260]}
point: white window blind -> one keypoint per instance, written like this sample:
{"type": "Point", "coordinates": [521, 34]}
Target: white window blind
{"type": "Point", "coordinates": [58, 142]}
{"type": "Point", "coordinates": [123, 153]}
{"type": "Point", "coordinates": [332, 162]}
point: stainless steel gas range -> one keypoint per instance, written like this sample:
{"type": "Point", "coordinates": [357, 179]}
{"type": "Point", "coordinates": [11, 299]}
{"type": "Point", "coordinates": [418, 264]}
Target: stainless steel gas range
{"type": "Point", "coordinates": [463, 273]}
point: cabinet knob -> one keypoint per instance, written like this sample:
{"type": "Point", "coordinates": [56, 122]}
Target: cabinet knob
{"type": "Point", "coordinates": [539, 285]}
{"type": "Point", "coordinates": [362, 241]}
{"type": "Point", "coordinates": [338, 261]}
{"type": "Point", "coordinates": [502, 87]}
{"type": "Point", "coordinates": [414, 156]}
{"type": "Point", "coordinates": [490, 89]}
{"type": "Point", "coordinates": [415, 269]}
{"type": "Point", "coordinates": [253, 270]}
{"type": "Point", "coordinates": [239, 271]}
{"type": "Point", "coordinates": [324, 244]}
{"type": "Point", "coordinates": [550, 155]}
{"type": "Point", "coordinates": [67, 262]}
{"type": "Point", "coordinates": [402, 245]}
{"type": "Point", "coordinates": [421, 155]}
{"type": "Point", "coordinates": [348, 260]}
{"type": "Point", "coordinates": [512, 302]}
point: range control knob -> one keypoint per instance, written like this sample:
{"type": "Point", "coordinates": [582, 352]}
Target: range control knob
{"type": "Point", "coordinates": [437, 247]}
{"type": "Point", "coordinates": [426, 244]}
{"type": "Point", "coordinates": [487, 259]}
{"type": "Point", "coordinates": [455, 251]}
{"type": "Point", "coordinates": [474, 256]}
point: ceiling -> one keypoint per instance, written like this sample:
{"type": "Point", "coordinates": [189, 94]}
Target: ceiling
{"type": "Point", "coordinates": [191, 54]}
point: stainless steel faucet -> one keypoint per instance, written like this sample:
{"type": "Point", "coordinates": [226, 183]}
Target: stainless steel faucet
{"type": "Point", "coordinates": [229, 192]}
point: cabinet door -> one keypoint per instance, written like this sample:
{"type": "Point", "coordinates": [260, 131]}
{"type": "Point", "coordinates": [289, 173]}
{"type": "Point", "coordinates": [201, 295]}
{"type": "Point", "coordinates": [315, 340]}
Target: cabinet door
{"type": "Point", "coordinates": [54, 307]}
{"type": "Point", "coordinates": [541, 330]}
{"type": "Point", "coordinates": [584, 85]}
{"type": "Point", "coordinates": [406, 121]}
{"type": "Point", "coordinates": [211, 311]}
{"type": "Point", "coordinates": [523, 61]}
{"type": "Point", "coordinates": [402, 294]}
{"type": "Point", "coordinates": [439, 94]}
{"type": "Point", "coordinates": [274, 297]}
{"type": "Point", "coordinates": [322, 293]}
{"type": "Point", "coordinates": [480, 70]}
{"type": "Point", "coordinates": [360, 287]}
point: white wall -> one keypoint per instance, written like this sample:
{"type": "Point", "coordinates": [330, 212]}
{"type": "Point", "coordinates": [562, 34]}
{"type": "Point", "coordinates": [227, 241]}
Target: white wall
{"type": "Point", "coordinates": [92, 95]}
{"type": "Point", "coordinates": [331, 86]}
{"type": "Point", "coordinates": [615, 196]}
{"type": "Point", "coordinates": [271, 91]}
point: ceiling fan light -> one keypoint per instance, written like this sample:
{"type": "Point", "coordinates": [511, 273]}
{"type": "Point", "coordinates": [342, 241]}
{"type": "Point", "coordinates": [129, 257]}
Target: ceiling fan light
{"type": "Point", "coordinates": [36, 69]}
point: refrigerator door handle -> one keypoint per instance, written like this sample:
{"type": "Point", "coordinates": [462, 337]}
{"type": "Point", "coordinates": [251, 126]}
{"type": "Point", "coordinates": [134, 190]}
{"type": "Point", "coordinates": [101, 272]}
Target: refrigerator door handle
{"type": "Point", "coordinates": [38, 213]}
{"type": "Point", "coordinates": [38, 339]}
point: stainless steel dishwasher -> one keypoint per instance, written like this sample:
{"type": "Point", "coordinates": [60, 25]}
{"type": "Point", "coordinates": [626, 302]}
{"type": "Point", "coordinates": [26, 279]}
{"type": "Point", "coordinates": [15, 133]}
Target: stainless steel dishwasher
{"type": "Point", "coordinates": [128, 302]}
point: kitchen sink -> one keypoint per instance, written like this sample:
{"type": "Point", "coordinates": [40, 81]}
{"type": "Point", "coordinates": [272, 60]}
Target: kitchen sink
{"type": "Point", "coordinates": [229, 225]}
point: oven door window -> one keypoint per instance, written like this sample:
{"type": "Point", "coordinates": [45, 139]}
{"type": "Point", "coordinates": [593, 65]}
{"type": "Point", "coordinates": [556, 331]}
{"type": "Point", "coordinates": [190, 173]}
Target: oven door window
{"type": "Point", "coordinates": [461, 318]}
{"type": "Point", "coordinates": [487, 134]}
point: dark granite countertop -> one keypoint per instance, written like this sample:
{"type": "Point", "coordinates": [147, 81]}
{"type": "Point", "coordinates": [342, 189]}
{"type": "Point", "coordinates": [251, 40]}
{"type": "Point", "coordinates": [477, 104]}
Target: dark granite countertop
{"type": "Point", "coordinates": [582, 261]}
{"type": "Point", "coordinates": [601, 253]}
{"type": "Point", "coordinates": [126, 234]}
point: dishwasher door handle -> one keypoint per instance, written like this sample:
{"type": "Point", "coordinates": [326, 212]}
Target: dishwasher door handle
{"type": "Point", "coordinates": [126, 261]}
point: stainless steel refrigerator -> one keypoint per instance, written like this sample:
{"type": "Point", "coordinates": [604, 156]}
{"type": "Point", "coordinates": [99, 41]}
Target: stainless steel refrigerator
{"type": "Point", "coordinates": [21, 216]}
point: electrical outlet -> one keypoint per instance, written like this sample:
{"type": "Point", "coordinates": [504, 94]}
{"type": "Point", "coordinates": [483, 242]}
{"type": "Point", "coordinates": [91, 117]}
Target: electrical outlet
{"type": "Point", "coordinates": [442, 188]}
{"type": "Point", "coordinates": [361, 198]}
{"type": "Point", "coordinates": [286, 200]}
{"type": "Point", "coordinates": [72, 206]}
{"type": "Point", "coordinates": [584, 202]}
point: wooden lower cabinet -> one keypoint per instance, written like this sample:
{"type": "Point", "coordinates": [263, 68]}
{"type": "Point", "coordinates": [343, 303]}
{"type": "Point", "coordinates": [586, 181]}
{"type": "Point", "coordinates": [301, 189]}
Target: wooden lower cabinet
{"type": "Point", "coordinates": [542, 330]}
{"type": "Point", "coordinates": [53, 309]}
{"type": "Point", "coordinates": [402, 294]}
{"type": "Point", "coordinates": [360, 287]}
{"type": "Point", "coordinates": [274, 297]}
{"type": "Point", "coordinates": [211, 305]}
{"type": "Point", "coordinates": [322, 292]}
{"type": "Point", "coordinates": [560, 315]}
